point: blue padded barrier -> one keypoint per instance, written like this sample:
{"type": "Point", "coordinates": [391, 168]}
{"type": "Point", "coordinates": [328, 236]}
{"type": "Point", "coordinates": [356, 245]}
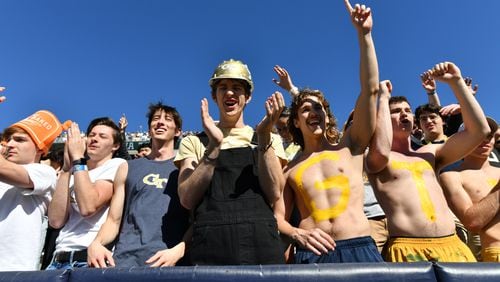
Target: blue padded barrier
{"type": "Point", "coordinates": [352, 272]}
{"type": "Point", "coordinates": [481, 271]}
{"type": "Point", "coordinates": [39, 276]}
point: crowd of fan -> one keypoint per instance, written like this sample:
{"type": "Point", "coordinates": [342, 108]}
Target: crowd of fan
{"type": "Point", "coordinates": [287, 190]}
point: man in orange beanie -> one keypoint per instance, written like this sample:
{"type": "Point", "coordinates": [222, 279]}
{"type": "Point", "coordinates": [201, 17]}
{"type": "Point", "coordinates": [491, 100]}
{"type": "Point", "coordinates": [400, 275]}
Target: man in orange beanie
{"type": "Point", "coordinates": [26, 188]}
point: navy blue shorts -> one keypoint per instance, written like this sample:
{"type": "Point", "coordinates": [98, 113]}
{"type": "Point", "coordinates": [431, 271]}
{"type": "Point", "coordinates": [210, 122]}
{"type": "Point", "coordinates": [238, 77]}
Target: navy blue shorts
{"type": "Point", "coordinates": [362, 249]}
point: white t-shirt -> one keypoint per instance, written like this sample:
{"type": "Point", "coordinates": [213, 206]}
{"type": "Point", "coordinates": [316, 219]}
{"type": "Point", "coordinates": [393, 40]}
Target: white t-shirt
{"type": "Point", "coordinates": [79, 231]}
{"type": "Point", "coordinates": [21, 215]}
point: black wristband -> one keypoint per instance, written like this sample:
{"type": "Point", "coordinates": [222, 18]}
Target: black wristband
{"type": "Point", "coordinates": [209, 159]}
{"type": "Point", "coordinates": [82, 161]}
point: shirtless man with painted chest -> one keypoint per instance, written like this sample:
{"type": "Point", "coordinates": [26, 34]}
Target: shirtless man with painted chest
{"type": "Point", "coordinates": [420, 223]}
{"type": "Point", "coordinates": [325, 181]}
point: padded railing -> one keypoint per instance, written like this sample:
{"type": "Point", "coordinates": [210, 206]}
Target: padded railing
{"type": "Point", "coordinates": [352, 272]}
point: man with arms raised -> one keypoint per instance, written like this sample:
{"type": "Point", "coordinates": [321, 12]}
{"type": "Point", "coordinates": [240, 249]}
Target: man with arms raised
{"type": "Point", "coordinates": [327, 178]}
{"type": "Point", "coordinates": [84, 189]}
{"type": "Point", "coordinates": [231, 180]}
{"type": "Point", "coordinates": [472, 191]}
{"type": "Point", "coordinates": [420, 223]}
{"type": "Point", "coordinates": [26, 187]}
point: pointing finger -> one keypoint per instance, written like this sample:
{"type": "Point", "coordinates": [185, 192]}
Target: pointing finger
{"type": "Point", "coordinates": [348, 6]}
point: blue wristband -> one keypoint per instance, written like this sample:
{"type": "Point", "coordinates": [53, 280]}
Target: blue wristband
{"type": "Point", "coordinates": [79, 167]}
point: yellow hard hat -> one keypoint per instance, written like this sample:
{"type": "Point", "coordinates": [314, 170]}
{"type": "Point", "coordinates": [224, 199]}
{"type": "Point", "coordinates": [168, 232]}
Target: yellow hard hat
{"type": "Point", "coordinates": [233, 69]}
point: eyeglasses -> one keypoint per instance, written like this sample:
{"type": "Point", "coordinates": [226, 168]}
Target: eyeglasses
{"type": "Point", "coordinates": [432, 117]}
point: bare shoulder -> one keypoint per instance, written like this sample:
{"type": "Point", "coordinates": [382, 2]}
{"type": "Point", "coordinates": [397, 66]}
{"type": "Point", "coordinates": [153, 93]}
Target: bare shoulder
{"type": "Point", "coordinates": [289, 169]}
{"type": "Point", "coordinates": [450, 175]}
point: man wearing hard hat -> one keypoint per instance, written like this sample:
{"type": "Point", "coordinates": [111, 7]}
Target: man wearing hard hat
{"type": "Point", "coordinates": [230, 175]}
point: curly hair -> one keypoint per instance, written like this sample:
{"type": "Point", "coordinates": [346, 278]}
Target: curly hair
{"type": "Point", "coordinates": [332, 133]}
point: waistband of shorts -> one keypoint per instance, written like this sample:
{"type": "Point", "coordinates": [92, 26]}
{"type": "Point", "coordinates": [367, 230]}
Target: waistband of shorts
{"type": "Point", "coordinates": [425, 240]}
{"type": "Point", "coordinates": [349, 243]}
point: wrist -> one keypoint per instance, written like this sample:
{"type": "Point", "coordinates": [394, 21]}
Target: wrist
{"type": "Point", "coordinates": [264, 146]}
{"type": "Point", "coordinates": [79, 167]}
{"type": "Point", "coordinates": [79, 161]}
{"type": "Point", "coordinates": [294, 91]}
{"type": "Point", "coordinates": [433, 92]}
{"type": "Point", "coordinates": [209, 159]}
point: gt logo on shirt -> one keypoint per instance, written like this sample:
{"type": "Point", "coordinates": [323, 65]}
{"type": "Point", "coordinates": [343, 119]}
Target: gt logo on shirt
{"type": "Point", "coordinates": [155, 180]}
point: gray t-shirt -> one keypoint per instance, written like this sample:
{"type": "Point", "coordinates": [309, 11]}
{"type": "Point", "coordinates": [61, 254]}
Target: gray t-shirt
{"type": "Point", "coordinates": [153, 218]}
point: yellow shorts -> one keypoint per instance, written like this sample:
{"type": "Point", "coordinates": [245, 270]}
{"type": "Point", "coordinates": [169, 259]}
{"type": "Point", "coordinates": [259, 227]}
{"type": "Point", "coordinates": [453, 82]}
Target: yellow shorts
{"type": "Point", "coordinates": [491, 254]}
{"type": "Point", "coordinates": [443, 249]}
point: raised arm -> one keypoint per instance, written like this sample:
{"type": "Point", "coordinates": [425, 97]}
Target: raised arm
{"type": "Point", "coordinates": [271, 177]}
{"type": "Point", "coordinates": [194, 176]}
{"type": "Point", "coordinates": [476, 127]}
{"type": "Point", "coordinates": [366, 104]}
{"type": "Point", "coordinates": [58, 211]}
{"type": "Point", "coordinates": [285, 81]}
{"type": "Point", "coordinates": [90, 196]}
{"type": "Point", "coordinates": [381, 143]}
{"type": "Point", "coordinates": [474, 216]}
{"type": "Point", "coordinates": [98, 255]}
{"type": "Point", "coordinates": [429, 85]}
{"type": "Point", "coordinates": [454, 109]}
{"type": "Point", "coordinates": [14, 174]}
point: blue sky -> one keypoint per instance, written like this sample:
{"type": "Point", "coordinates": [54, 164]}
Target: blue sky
{"type": "Point", "coordinates": [91, 58]}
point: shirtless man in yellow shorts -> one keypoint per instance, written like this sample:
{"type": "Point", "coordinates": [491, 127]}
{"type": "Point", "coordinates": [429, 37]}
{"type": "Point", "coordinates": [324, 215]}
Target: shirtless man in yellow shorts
{"type": "Point", "coordinates": [326, 178]}
{"type": "Point", "coordinates": [473, 192]}
{"type": "Point", "coordinates": [421, 227]}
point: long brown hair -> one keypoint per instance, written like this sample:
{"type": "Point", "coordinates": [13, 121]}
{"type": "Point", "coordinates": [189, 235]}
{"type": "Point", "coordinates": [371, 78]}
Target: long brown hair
{"type": "Point", "coordinates": [332, 133]}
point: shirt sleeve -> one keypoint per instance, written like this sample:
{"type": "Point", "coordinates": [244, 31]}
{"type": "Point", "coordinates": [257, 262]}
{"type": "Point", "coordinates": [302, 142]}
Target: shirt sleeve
{"type": "Point", "coordinates": [190, 147]}
{"type": "Point", "coordinates": [277, 145]}
{"type": "Point", "coordinates": [44, 179]}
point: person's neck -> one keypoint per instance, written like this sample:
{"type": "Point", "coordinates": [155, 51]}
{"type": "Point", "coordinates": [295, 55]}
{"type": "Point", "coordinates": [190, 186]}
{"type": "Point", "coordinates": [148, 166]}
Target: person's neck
{"type": "Point", "coordinates": [401, 144]}
{"type": "Point", "coordinates": [474, 162]}
{"type": "Point", "coordinates": [161, 150]}
{"type": "Point", "coordinates": [313, 145]}
{"type": "Point", "coordinates": [92, 163]}
{"type": "Point", "coordinates": [429, 138]}
{"type": "Point", "coordinates": [231, 122]}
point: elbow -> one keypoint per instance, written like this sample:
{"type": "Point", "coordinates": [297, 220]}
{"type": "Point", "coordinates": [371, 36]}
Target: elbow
{"type": "Point", "coordinates": [56, 224]}
{"type": "Point", "coordinates": [87, 211]}
{"type": "Point", "coordinates": [56, 220]}
{"type": "Point", "coordinates": [372, 88]}
{"type": "Point", "coordinates": [274, 198]}
{"type": "Point", "coordinates": [473, 224]}
{"type": "Point", "coordinates": [186, 203]}
{"type": "Point", "coordinates": [481, 132]}
{"type": "Point", "coordinates": [485, 132]}
{"type": "Point", "coordinates": [184, 198]}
